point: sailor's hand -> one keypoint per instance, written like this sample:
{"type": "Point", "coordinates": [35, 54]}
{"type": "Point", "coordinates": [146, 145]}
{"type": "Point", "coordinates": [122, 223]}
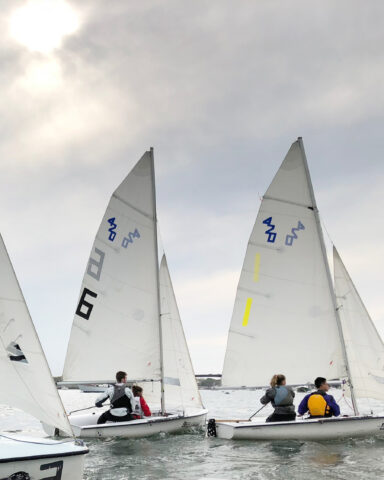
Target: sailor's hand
{"type": "Point", "coordinates": [99, 404]}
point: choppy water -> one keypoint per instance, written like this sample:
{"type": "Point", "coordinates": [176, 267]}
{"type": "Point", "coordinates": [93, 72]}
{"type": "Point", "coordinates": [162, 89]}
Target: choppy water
{"type": "Point", "coordinates": [193, 456]}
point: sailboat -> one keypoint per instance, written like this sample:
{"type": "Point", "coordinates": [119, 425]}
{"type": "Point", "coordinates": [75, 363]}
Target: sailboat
{"type": "Point", "coordinates": [289, 316]}
{"type": "Point", "coordinates": [127, 318]}
{"type": "Point", "coordinates": [26, 383]}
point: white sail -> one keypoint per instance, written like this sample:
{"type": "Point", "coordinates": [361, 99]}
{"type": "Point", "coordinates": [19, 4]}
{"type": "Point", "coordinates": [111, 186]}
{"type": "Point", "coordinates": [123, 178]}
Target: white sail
{"type": "Point", "coordinates": [284, 317]}
{"type": "Point", "coordinates": [364, 346]}
{"type": "Point", "coordinates": [116, 325]}
{"type": "Point", "coordinates": [180, 387]}
{"type": "Point", "coordinates": [25, 378]}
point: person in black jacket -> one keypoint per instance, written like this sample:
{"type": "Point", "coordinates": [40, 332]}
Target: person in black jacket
{"type": "Point", "coordinates": [281, 397]}
{"type": "Point", "coordinates": [121, 399]}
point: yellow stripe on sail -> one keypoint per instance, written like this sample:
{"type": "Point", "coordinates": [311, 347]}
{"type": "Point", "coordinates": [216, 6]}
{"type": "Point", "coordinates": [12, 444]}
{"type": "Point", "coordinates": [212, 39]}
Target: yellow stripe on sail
{"type": "Point", "coordinates": [247, 311]}
{"type": "Point", "coordinates": [257, 268]}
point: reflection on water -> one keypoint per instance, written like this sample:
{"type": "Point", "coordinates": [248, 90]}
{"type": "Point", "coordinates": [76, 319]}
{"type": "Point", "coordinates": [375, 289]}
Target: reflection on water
{"type": "Point", "coordinates": [285, 449]}
{"type": "Point", "coordinates": [326, 458]}
{"type": "Point", "coordinates": [195, 457]}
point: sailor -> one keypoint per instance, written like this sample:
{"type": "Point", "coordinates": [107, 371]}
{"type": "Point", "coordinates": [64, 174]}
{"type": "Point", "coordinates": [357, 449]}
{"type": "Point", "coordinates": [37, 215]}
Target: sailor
{"type": "Point", "coordinates": [121, 399]}
{"type": "Point", "coordinates": [281, 396]}
{"type": "Point", "coordinates": [141, 408]}
{"type": "Point", "coordinates": [319, 404]}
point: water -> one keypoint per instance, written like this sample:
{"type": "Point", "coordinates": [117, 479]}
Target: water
{"type": "Point", "coordinates": [193, 456]}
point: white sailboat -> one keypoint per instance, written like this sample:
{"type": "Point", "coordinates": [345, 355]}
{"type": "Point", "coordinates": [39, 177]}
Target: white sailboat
{"type": "Point", "coordinates": [127, 318]}
{"type": "Point", "coordinates": [26, 383]}
{"type": "Point", "coordinates": [288, 318]}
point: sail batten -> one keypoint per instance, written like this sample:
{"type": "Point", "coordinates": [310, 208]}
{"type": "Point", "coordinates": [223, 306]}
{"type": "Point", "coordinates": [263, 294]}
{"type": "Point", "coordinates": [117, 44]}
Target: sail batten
{"type": "Point", "coordinates": [293, 309]}
{"type": "Point", "coordinates": [145, 214]}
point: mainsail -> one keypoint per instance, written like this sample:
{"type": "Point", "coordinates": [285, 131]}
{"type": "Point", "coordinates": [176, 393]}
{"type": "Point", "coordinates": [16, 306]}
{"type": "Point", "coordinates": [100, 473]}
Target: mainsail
{"type": "Point", "coordinates": [116, 324]}
{"type": "Point", "coordinates": [26, 380]}
{"type": "Point", "coordinates": [364, 346]}
{"type": "Point", "coordinates": [179, 379]}
{"type": "Point", "coordinates": [284, 318]}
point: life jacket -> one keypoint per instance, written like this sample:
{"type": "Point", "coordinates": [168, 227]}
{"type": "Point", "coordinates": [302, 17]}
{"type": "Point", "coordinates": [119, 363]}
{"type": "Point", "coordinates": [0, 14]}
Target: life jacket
{"type": "Point", "coordinates": [283, 396]}
{"type": "Point", "coordinates": [119, 398]}
{"type": "Point", "coordinates": [138, 410]}
{"type": "Point", "coordinates": [318, 406]}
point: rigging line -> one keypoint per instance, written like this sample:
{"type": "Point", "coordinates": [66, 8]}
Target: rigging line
{"type": "Point", "coordinates": [326, 231]}
{"type": "Point", "coordinates": [364, 382]}
{"type": "Point", "coordinates": [161, 243]}
{"type": "Point", "coordinates": [343, 397]}
{"type": "Point", "coordinates": [346, 401]}
{"type": "Point", "coordinates": [267, 197]}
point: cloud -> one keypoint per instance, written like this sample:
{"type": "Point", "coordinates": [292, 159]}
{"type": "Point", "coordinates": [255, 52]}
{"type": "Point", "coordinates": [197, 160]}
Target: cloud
{"type": "Point", "coordinates": [220, 92]}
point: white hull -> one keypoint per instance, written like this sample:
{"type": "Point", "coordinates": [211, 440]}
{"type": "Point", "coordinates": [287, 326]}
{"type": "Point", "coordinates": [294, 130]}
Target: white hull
{"type": "Point", "coordinates": [315, 429]}
{"type": "Point", "coordinates": [84, 425]}
{"type": "Point", "coordinates": [37, 459]}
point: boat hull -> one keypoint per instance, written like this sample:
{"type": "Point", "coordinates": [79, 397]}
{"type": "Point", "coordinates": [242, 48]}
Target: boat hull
{"type": "Point", "coordinates": [23, 460]}
{"type": "Point", "coordinates": [85, 426]}
{"type": "Point", "coordinates": [311, 429]}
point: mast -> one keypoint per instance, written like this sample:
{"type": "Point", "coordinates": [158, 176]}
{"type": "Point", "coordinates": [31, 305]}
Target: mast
{"type": "Point", "coordinates": [330, 284]}
{"type": "Point", "coordinates": [158, 284]}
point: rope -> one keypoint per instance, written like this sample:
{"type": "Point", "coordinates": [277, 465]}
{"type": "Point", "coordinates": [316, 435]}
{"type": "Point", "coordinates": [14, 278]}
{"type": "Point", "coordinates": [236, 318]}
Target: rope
{"type": "Point", "coordinates": [343, 397]}
{"type": "Point", "coordinates": [326, 231]}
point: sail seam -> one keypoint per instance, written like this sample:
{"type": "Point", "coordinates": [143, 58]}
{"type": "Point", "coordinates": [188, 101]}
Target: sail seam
{"type": "Point", "coordinates": [11, 299]}
{"type": "Point", "coordinates": [254, 292]}
{"type": "Point", "coordinates": [267, 197]}
{"type": "Point", "coordinates": [242, 334]}
{"type": "Point", "coordinates": [133, 207]}
{"type": "Point", "coordinates": [269, 247]}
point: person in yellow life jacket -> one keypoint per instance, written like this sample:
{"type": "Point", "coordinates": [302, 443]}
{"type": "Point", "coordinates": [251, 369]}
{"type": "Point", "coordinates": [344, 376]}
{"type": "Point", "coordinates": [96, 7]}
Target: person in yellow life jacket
{"type": "Point", "coordinates": [319, 404]}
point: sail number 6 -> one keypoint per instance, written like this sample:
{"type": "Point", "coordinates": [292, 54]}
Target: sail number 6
{"type": "Point", "coordinates": [83, 303]}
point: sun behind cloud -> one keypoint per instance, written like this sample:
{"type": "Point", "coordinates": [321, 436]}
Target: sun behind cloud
{"type": "Point", "coordinates": [41, 25]}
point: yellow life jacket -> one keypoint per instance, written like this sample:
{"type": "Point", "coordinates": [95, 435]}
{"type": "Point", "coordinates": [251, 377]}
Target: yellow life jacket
{"type": "Point", "coordinates": [317, 406]}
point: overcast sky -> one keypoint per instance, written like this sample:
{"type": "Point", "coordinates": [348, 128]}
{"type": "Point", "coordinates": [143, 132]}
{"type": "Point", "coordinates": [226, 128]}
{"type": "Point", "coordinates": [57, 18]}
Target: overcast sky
{"type": "Point", "coordinates": [220, 89]}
